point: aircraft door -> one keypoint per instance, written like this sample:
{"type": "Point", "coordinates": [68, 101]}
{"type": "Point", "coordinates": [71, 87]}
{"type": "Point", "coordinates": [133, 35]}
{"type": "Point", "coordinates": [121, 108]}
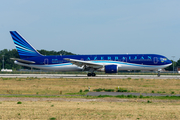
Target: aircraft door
{"type": "Point", "coordinates": [155, 60]}
{"type": "Point", "coordinates": [46, 61]}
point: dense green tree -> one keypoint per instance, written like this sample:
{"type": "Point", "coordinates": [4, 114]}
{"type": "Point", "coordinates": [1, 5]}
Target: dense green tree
{"type": "Point", "coordinates": [178, 63]}
{"type": "Point", "coordinates": [8, 63]}
{"type": "Point", "coordinates": [62, 52]}
{"type": "Point", "coordinates": [170, 68]}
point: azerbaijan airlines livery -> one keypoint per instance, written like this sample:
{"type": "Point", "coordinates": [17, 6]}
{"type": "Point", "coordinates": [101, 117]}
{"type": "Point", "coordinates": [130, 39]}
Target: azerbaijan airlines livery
{"type": "Point", "coordinates": [109, 63]}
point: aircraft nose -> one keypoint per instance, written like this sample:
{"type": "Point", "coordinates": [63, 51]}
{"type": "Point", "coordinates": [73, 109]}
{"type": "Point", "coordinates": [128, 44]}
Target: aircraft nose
{"type": "Point", "coordinates": [169, 62]}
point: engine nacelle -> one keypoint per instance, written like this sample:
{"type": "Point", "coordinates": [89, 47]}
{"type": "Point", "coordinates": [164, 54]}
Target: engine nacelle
{"type": "Point", "coordinates": [111, 69]}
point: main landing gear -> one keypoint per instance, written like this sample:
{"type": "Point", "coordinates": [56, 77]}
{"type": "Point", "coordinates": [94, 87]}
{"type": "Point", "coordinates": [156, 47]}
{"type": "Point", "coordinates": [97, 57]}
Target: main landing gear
{"type": "Point", "coordinates": [91, 74]}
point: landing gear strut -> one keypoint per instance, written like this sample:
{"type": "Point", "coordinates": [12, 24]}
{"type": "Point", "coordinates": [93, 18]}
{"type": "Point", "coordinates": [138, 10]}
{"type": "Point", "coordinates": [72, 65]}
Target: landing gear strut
{"type": "Point", "coordinates": [91, 74]}
{"type": "Point", "coordinates": [158, 74]}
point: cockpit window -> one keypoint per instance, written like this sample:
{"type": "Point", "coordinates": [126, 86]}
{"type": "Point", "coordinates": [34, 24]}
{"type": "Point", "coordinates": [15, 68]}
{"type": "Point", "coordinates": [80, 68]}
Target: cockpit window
{"type": "Point", "coordinates": [164, 59]}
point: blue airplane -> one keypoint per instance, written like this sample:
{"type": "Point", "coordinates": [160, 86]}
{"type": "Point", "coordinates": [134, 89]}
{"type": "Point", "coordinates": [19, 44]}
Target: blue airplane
{"type": "Point", "coordinates": [109, 63]}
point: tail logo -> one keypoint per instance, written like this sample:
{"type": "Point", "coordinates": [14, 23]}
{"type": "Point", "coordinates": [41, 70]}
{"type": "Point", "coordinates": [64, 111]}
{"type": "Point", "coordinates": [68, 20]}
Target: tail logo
{"type": "Point", "coordinates": [24, 48]}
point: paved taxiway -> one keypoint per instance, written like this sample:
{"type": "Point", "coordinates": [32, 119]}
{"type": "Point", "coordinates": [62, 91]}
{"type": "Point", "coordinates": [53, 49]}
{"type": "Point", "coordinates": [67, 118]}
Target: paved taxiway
{"type": "Point", "coordinates": [85, 76]}
{"type": "Point", "coordinates": [126, 94]}
{"type": "Point", "coordinates": [81, 99]}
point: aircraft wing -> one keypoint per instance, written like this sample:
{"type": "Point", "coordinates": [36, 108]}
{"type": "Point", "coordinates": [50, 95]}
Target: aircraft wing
{"type": "Point", "coordinates": [81, 63]}
{"type": "Point", "coordinates": [23, 61]}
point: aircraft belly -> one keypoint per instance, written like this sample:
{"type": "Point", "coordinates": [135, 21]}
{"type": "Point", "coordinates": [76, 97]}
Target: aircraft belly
{"type": "Point", "coordinates": [60, 68]}
{"type": "Point", "coordinates": [57, 67]}
{"type": "Point", "coordinates": [129, 67]}
{"type": "Point", "coordinates": [140, 67]}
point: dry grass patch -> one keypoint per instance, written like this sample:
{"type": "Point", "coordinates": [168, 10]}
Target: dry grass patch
{"type": "Point", "coordinates": [54, 86]}
{"type": "Point", "coordinates": [89, 110]}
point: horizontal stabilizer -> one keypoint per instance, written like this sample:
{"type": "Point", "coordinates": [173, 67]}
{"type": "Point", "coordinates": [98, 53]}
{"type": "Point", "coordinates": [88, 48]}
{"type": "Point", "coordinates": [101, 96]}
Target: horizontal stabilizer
{"type": "Point", "coordinates": [23, 61]}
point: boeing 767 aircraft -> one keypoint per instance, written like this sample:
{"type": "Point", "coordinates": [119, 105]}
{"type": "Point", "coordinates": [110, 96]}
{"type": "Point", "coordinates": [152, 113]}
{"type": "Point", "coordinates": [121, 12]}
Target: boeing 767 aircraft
{"type": "Point", "coordinates": [109, 63]}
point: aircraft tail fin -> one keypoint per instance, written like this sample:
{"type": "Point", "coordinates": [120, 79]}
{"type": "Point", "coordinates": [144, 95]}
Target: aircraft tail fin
{"type": "Point", "coordinates": [24, 48]}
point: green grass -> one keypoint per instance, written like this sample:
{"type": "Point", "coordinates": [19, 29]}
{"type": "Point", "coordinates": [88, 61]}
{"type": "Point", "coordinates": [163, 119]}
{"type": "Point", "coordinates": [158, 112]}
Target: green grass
{"type": "Point", "coordinates": [100, 96]}
{"type": "Point", "coordinates": [19, 102]}
{"type": "Point", "coordinates": [53, 118]}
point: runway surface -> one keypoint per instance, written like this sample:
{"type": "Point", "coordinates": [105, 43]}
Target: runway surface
{"type": "Point", "coordinates": [126, 94]}
{"type": "Point", "coordinates": [81, 100]}
{"type": "Point", "coordinates": [85, 76]}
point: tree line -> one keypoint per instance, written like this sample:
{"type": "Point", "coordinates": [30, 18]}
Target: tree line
{"type": "Point", "coordinates": [9, 64]}
{"type": "Point", "coordinates": [175, 63]}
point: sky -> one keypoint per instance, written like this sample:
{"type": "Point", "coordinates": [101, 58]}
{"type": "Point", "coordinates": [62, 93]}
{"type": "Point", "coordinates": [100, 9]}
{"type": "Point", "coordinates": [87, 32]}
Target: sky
{"type": "Point", "coordinates": [94, 26]}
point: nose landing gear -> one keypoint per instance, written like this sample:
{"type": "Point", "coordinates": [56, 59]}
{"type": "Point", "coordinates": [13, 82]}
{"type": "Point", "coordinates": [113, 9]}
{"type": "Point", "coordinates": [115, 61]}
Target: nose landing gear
{"type": "Point", "coordinates": [159, 70]}
{"type": "Point", "coordinates": [158, 74]}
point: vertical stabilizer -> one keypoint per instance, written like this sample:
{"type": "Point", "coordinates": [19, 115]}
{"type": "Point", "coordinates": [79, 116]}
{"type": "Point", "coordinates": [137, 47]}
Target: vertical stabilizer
{"type": "Point", "coordinates": [24, 48]}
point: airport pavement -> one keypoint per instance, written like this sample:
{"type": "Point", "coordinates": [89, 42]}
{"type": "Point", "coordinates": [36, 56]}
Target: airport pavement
{"type": "Point", "coordinates": [126, 94]}
{"type": "Point", "coordinates": [85, 76]}
{"type": "Point", "coordinates": [80, 99]}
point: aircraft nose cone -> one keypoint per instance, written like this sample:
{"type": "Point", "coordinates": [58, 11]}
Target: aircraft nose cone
{"type": "Point", "coordinates": [169, 62]}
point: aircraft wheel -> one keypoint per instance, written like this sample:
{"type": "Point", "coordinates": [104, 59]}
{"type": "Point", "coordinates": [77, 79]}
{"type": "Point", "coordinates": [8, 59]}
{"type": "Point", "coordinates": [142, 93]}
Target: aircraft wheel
{"type": "Point", "coordinates": [93, 74]}
{"type": "Point", "coordinates": [89, 74]}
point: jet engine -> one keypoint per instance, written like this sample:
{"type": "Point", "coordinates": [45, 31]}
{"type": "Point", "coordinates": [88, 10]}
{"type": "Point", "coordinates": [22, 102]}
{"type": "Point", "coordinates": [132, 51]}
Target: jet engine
{"type": "Point", "coordinates": [111, 69]}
